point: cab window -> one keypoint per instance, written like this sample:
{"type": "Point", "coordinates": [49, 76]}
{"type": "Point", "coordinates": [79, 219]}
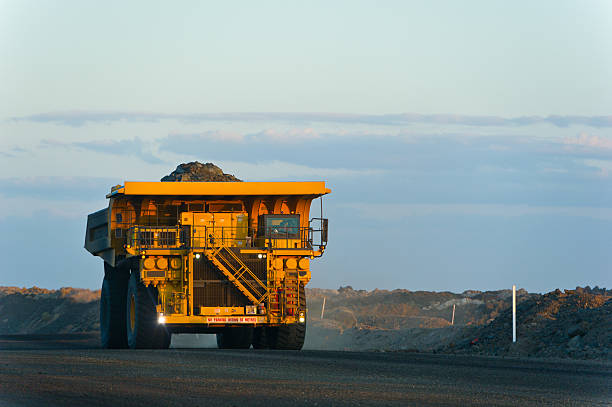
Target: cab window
{"type": "Point", "coordinates": [282, 226]}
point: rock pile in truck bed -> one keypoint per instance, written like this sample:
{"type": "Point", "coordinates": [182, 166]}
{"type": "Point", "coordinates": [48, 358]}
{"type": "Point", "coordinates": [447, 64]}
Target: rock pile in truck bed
{"type": "Point", "coordinates": [196, 171]}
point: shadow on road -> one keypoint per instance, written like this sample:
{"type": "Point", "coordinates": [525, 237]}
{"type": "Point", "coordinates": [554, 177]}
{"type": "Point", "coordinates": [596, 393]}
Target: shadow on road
{"type": "Point", "coordinates": [90, 340]}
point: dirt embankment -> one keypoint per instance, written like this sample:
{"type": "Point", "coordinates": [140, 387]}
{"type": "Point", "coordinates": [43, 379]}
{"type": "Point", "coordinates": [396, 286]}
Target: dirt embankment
{"type": "Point", "coordinates": [399, 319]}
{"type": "Point", "coordinates": [40, 311]}
{"type": "Point", "coordinates": [571, 324]}
{"type": "Point", "coordinates": [400, 309]}
{"type": "Point", "coordinates": [575, 323]}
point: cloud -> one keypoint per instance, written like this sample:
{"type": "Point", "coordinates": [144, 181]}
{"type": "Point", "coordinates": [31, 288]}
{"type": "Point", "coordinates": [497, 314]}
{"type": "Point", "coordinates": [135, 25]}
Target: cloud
{"type": "Point", "coordinates": [585, 140]}
{"type": "Point", "coordinates": [128, 147]}
{"type": "Point", "coordinates": [38, 197]}
{"type": "Point", "coordinates": [80, 118]}
{"type": "Point", "coordinates": [18, 207]}
{"type": "Point", "coordinates": [267, 135]}
{"type": "Point", "coordinates": [49, 188]}
{"type": "Point", "coordinates": [604, 166]}
{"type": "Point", "coordinates": [288, 135]}
{"type": "Point", "coordinates": [282, 170]}
{"type": "Point", "coordinates": [388, 212]}
{"type": "Point", "coordinates": [13, 152]}
{"type": "Point", "coordinates": [410, 154]}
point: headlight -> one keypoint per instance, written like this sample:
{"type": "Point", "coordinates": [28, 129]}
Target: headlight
{"type": "Point", "coordinates": [302, 317]}
{"type": "Point", "coordinates": [161, 319]}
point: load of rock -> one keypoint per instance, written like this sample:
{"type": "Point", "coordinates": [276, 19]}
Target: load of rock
{"type": "Point", "coordinates": [198, 172]}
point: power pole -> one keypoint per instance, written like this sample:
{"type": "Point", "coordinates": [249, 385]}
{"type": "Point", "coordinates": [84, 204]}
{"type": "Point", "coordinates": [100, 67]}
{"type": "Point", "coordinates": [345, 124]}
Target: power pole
{"type": "Point", "coordinates": [513, 313]}
{"type": "Point", "coordinates": [323, 308]}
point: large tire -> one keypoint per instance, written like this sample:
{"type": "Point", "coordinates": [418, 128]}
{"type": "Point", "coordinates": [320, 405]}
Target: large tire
{"type": "Point", "coordinates": [290, 336]}
{"type": "Point", "coordinates": [143, 330]}
{"type": "Point", "coordinates": [235, 338]}
{"type": "Point", "coordinates": [113, 333]}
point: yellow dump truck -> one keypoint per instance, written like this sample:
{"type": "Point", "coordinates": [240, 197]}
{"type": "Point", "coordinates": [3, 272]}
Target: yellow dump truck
{"type": "Point", "coordinates": [230, 258]}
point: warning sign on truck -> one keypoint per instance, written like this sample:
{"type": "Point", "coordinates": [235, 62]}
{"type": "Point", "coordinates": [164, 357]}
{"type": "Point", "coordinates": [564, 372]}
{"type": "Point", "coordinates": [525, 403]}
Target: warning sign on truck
{"type": "Point", "coordinates": [233, 320]}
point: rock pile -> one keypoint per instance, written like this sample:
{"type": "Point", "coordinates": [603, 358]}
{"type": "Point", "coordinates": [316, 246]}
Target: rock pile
{"type": "Point", "coordinates": [41, 311]}
{"type": "Point", "coordinates": [575, 323]}
{"type": "Point", "coordinates": [401, 309]}
{"type": "Point", "coordinates": [196, 171]}
{"type": "Point", "coordinates": [571, 324]}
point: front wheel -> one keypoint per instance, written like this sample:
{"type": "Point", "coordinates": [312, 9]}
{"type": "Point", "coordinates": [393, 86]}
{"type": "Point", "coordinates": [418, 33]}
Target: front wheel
{"type": "Point", "coordinates": [286, 337]}
{"type": "Point", "coordinates": [290, 336]}
{"type": "Point", "coordinates": [143, 329]}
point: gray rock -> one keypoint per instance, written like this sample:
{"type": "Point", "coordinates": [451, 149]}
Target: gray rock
{"type": "Point", "coordinates": [198, 172]}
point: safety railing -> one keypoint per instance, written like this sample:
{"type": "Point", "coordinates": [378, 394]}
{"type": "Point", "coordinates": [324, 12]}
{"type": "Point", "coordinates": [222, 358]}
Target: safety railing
{"type": "Point", "coordinates": [153, 237]}
{"type": "Point", "coordinates": [205, 237]}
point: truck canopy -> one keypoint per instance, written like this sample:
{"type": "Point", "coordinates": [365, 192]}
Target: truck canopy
{"type": "Point", "coordinates": [160, 204]}
{"type": "Point", "coordinates": [313, 189]}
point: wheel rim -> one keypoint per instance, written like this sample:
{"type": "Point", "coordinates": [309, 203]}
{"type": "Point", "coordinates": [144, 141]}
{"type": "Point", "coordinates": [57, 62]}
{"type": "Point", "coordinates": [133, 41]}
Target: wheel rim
{"type": "Point", "coordinates": [132, 313]}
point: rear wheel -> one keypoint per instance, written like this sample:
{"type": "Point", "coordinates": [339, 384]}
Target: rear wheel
{"type": "Point", "coordinates": [113, 333]}
{"type": "Point", "coordinates": [235, 338]}
{"type": "Point", "coordinates": [143, 330]}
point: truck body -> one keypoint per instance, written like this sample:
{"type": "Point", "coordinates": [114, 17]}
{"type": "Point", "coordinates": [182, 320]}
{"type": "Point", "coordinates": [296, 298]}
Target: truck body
{"type": "Point", "coordinates": [230, 258]}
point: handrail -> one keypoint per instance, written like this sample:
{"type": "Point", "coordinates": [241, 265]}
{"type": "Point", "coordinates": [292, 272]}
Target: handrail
{"type": "Point", "coordinates": [205, 237]}
{"type": "Point", "coordinates": [235, 275]}
{"type": "Point", "coordinates": [245, 267]}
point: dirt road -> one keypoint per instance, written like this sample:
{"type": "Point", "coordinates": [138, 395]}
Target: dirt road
{"type": "Point", "coordinates": [69, 370]}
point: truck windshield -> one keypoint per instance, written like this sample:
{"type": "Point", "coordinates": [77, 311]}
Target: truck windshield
{"type": "Point", "coordinates": [285, 226]}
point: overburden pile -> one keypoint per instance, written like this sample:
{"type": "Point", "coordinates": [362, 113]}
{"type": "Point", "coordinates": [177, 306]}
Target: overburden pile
{"type": "Point", "coordinates": [575, 323]}
{"type": "Point", "coordinates": [40, 311]}
{"type": "Point", "coordinates": [198, 172]}
{"type": "Point", "coordinates": [571, 324]}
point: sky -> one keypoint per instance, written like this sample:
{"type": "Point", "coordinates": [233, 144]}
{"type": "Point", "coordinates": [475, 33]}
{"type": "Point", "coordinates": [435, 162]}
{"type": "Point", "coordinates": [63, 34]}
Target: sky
{"type": "Point", "coordinates": [468, 145]}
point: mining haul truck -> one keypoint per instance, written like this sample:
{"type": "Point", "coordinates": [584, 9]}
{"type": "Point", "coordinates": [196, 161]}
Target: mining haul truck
{"type": "Point", "coordinates": [229, 258]}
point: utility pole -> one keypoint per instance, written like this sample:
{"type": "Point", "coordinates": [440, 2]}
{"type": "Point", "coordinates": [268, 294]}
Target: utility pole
{"type": "Point", "coordinates": [453, 318]}
{"type": "Point", "coordinates": [513, 313]}
{"type": "Point", "coordinates": [323, 308]}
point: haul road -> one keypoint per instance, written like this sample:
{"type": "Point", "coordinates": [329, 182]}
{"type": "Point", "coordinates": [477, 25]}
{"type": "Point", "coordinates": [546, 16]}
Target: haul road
{"type": "Point", "coordinates": [207, 257]}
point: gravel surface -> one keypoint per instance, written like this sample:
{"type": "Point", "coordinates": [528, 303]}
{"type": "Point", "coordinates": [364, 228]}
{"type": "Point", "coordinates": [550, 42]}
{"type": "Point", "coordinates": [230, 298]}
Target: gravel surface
{"type": "Point", "coordinates": [47, 371]}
